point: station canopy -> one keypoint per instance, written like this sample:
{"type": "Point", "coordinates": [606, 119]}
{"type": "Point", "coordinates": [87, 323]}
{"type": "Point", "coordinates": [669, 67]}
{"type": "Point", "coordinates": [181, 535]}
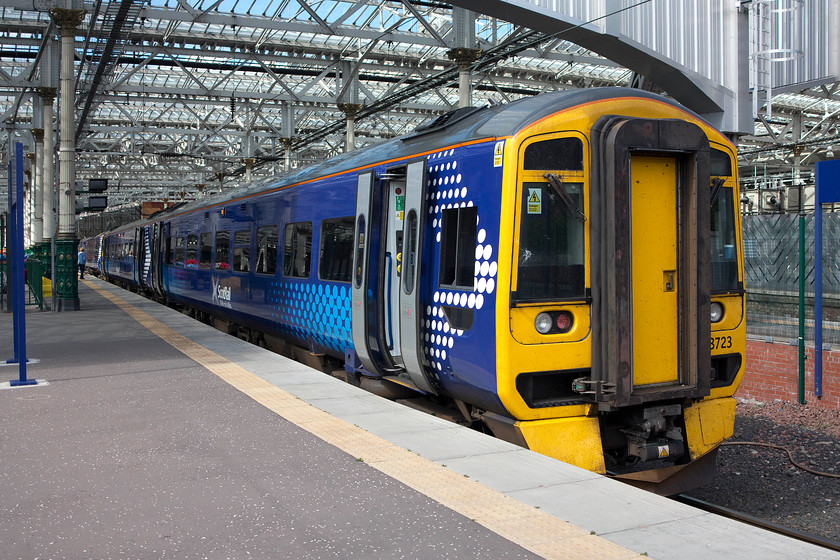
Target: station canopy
{"type": "Point", "coordinates": [175, 98]}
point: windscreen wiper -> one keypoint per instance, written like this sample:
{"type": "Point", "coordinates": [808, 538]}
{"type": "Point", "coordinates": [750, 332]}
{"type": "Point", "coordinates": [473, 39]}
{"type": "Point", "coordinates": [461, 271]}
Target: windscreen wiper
{"type": "Point", "coordinates": [559, 189]}
{"type": "Point", "coordinates": [717, 183]}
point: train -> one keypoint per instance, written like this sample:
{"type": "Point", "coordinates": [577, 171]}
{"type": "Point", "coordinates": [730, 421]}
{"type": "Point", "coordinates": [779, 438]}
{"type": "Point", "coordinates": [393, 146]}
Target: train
{"type": "Point", "coordinates": [564, 272]}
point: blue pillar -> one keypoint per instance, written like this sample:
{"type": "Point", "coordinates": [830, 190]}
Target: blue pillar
{"type": "Point", "coordinates": [827, 190]}
{"type": "Point", "coordinates": [16, 262]}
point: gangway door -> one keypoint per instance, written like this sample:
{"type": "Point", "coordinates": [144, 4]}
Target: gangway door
{"type": "Point", "coordinates": [649, 202]}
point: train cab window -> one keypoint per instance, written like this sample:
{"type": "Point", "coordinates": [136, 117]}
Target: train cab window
{"type": "Point", "coordinates": [457, 248]}
{"type": "Point", "coordinates": [192, 252]}
{"type": "Point", "coordinates": [557, 153]}
{"type": "Point", "coordinates": [336, 257]}
{"type": "Point", "coordinates": [266, 250]}
{"type": "Point", "coordinates": [723, 237]}
{"type": "Point", "coordinates": [551, 241]}
{"type": "Point", "coordinates": [178, 253]}
{"type": "Point", "coordinates": [242, 250]}
{"type": "Point", "coordinates": [222, 250]}
{"type": "Point", "coordinates": [297, 249]}
{"type": "Point", "coordinates": [720, 164]}
{"type": "Point", "coordinates": [723, 242]}
{"type": "Point", "coordinates": [205, 254]}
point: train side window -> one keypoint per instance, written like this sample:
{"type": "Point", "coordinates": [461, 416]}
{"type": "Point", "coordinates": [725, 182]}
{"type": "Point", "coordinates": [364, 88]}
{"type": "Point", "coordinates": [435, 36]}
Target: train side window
{"type": "Point", "coordinates": [168, 250]}
{"type": "Point", "coordinates": [720, 164]}
{"type": "Point", "coordinates": [457, 248]}
{"type": "Point", "coordinates": [558, 153]}
{"type": "Point", "coordinates": [242, 250]}
{"type": "Point", "coordinates": [222, 250]}
{"type": "Point", "coordinates": [266, 249]}
{"type": "Point", "coordinates": [723, 242]}
{"type": "Point", "coordinates": [336, 256]}
{"type": "Point", "coordinates": [297, 249]}
{"type": "Point", "coordinates": [192, 252]}
{"type": "Point", "coordinates": [205, 255]}
{"type": "Point", "coordinates": [178, 254]}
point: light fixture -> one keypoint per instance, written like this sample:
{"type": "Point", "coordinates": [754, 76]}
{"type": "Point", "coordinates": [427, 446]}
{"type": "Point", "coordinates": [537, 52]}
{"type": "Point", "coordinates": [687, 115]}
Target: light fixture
{"type": "Point", "coordinates": [716, 312]}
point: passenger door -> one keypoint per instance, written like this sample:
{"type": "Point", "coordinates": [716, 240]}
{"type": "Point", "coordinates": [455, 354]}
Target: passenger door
{"type": "Point", "coordinates": [386, 306]}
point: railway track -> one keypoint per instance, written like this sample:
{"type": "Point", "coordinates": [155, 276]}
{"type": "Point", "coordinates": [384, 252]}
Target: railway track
{"type": "Point", "coordinates": [757, 522]}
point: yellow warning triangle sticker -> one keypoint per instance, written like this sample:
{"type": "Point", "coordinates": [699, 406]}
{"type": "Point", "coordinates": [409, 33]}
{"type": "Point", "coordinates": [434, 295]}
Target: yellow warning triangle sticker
{"type": "Point", "coordinates": [498, 151]}
{"type": "Point", "coordinates": [534, 197]}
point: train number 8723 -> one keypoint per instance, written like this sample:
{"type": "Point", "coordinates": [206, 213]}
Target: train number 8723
{"type": "Point", "coordinates": [720, 342]}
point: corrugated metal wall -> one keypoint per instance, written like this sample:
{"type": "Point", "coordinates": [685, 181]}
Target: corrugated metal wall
{"type": "Point", "coordinates": [701, 35]}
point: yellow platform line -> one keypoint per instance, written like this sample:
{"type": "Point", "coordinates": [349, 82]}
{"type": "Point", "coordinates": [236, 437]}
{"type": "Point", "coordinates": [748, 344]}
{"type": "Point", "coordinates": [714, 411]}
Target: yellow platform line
{"type": "Point", "coordinates": [530, 528]}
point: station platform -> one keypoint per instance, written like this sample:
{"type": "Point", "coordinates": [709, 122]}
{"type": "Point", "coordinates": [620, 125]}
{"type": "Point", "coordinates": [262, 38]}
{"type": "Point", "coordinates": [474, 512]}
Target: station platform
{"type": "Point", "coordinates": [156, 436]}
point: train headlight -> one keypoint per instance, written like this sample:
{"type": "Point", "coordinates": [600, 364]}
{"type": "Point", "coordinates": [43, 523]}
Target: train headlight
{"type": "Point", "coordinates": [717, 312]}
{"type": "Point", "coordinates": [543, 323]}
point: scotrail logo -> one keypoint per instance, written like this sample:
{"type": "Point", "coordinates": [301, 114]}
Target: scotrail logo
{"type": "Point", "coordinates": [221, 294]}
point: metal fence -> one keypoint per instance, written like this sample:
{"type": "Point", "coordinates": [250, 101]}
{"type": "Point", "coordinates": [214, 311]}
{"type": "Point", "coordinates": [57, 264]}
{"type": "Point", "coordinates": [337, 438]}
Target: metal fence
{"type": "Point", "coordinates": [771, 275]}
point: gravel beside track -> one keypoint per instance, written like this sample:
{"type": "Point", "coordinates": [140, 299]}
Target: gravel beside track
{"type": "Point", "coordinates": [762, 482]}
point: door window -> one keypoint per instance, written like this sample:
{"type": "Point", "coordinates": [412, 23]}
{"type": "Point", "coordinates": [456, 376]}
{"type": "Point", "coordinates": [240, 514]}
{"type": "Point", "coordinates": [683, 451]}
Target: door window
{"type": "Point", "coordinates": [457, 248]}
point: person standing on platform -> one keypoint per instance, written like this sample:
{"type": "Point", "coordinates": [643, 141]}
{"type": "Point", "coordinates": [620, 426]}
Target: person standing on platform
{"type": "Point", "coordinates": [81, 263]}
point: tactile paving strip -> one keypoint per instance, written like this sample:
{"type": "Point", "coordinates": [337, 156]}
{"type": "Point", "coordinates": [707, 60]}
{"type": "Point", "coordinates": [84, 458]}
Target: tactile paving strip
{"type": "Point", "coordinates": [516, 521]}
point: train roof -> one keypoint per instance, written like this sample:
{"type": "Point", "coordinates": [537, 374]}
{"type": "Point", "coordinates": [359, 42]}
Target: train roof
{"type": "Point", "coordinates": [455, 127]}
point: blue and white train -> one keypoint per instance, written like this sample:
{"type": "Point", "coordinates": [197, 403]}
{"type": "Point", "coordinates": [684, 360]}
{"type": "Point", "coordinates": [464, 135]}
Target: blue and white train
{"type": "Point", "coordinates": [564, 271]}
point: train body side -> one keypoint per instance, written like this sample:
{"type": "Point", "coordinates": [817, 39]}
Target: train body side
{"type": "Point", "coordinates": [298, 303]}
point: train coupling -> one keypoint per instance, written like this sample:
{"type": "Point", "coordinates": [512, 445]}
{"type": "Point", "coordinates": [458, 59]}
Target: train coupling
{"type": "Point", "coordinates": [596, 390]}
{"type": "Point", "coordinates": [654, 434]}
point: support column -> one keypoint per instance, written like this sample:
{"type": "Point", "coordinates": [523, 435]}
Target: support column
{"type": "Point", "coordinates": [287, 153]}
{"type": "Point", "coordinates": [287, 132]}
{"type": "Point", "coordinates": [249, 165]}
{"type": "Point", "coordinates": [47, 95]}
{"type": "Point", "coordinates": [38, 189]}
{"type": "Point", "coordinates": [350, 110]}
{"type": "Point", "coordinates": [29, 196]}
{"type": "Point", "coordinates": [66, 243]}
{"type": "Point", "coordinates": [464, 57]}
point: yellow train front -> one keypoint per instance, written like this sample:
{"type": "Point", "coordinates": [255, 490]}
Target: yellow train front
{"type": "Point", "coordinates": [622, 342]}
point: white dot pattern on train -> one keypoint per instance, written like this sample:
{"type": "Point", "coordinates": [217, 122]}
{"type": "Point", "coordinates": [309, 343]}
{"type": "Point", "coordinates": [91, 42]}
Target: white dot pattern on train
{"type": "Point", "coordinates": [449, 189]}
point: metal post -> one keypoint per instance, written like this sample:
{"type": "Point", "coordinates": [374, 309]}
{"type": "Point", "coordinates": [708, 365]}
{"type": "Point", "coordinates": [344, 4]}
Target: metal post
{"type": "Point", "coordinates": [818, 314]}
{"type": "Point", "coordinates": [826, 190]}
{"type": "Point", "coordinates": [19, 305]}
{"type": "Point", "coordinates": [801, 307]}
{"type": "Point", "coordinates": [4, 260]}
